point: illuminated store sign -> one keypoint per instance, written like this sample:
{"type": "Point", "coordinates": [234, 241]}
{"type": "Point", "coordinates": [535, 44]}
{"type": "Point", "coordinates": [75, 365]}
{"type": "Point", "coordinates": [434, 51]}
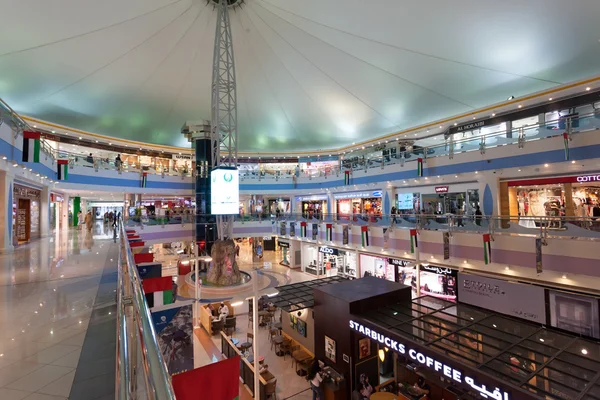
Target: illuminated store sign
{"type": "Point", "coordinates": [312, 198]}
{"type": "Point", "coordinates": [439, 270]}
{"type": "Point", "coordinates": [588, 178]}
{"type": "Point", "coordinates": [441, 189]}
{"type": "Point", "coordinates": [357, 195]}
{"type": "Point", "coordinates": [328, 250]}
{"type": "Point", "coordinates": [429, 362]}
{"type": "Point", "coordinates": [399, 263]}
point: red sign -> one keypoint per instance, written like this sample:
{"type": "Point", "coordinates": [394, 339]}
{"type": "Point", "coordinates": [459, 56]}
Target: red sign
{"type": "Point", "coordinates": [594, 177]}
{"type": "Point", "coordinates": [441, 189]}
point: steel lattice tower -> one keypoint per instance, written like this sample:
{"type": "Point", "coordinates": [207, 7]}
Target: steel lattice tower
{"type": "Point", "coordinates": [224, 133]}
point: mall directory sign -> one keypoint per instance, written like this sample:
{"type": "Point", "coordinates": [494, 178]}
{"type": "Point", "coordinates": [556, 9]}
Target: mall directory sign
{"type": "Point", "coordinates": [515, 299]}
{"type": "Point", "coordinates": [225, 191]}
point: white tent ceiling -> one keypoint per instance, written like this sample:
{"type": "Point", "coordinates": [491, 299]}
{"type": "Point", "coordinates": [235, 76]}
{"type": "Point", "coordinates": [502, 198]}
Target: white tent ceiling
{"type": "Point", "coordinates": [312, 74]}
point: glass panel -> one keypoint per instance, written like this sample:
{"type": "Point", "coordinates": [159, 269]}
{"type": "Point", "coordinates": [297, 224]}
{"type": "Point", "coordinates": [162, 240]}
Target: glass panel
{"type": "Point", "coordinates": [510, 326]}
{"type": "Point", "coordinates": [432, 302]}
{"type": "Point", "coordinates": [564, 379]}
{"type": "Point", "coordinates": [539, 347]}
{"type": "Point", "coordinates": [529, 354]}
{"type": "Point", "coordinates": [553, 388]}
{"type": "Point", "coordinates": [495, 334]}
{"type": "Point", "coordinates": [513, 371]}
{"type": "Point", "coordinates": [553, 339]}
{"type": "Point", "coordinates": [582, 373]}
{"type": "Point", "coordinates": [465, 312]}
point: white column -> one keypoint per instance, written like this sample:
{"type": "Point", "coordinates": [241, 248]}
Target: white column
{"type": "Point", "coordinates": [332, 205]}
{"type": "Point", "coordinates": [390, 192]}
{"type": "Point", "coordinates": [45, 212]}
{"type": "Point", "coordinates": [6, 200]}
{"type": "Point", "coordinates": [64, 217]}
{"type": "Point", "coordinates": [488, 185]}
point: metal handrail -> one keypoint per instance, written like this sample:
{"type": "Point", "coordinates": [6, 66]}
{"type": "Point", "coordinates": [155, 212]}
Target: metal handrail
{"type": "Point", "coordinates": [134, 319]}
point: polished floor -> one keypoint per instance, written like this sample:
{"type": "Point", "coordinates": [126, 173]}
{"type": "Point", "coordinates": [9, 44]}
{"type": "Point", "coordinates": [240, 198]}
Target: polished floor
{"type": "Point", "coordinates": [50, 291]}
{"type": "Point", "coordinates": [57, 318]}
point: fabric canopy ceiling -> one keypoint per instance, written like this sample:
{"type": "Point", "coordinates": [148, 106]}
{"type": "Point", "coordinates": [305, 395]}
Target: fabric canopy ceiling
{"type": "Point", "coordinates": [312, 74]}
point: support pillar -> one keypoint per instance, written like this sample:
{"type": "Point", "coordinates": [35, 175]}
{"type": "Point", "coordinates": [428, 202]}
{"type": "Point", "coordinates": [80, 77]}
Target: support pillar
{"type": "Point", "coordinates": [45, 212]}
{"type": "Point", "coordinates": [488, 193]}
{"type": "Point", "coordinates": [389, 200]}
{"type": "Point", "coordinates": [64, 217]}
{"type": "Point", "coordinates": [6, 204]}
{"type": "Point", "coordinates": [509, 129]}
{"type": "Point", "coordinates": [76, 209]}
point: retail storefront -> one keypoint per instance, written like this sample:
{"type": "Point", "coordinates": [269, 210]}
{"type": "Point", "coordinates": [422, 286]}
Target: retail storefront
{"type": "Point", "coordinates": [280, 205]}
{"type": "Point", "coordinates": [348, 204]}
{"type": "Point", "coordinates": [26, 214]}
{"type": "Point", "coordinates": [56, 210]}
{"type": "Point", "coordinates": [461, 198]}
{"type": "Point", "coordinates": [312, 206]}
{"type": "Point", "coordinates": [328, 261]}
{"type": "Point", "coordinates": [571, 196]}
{"type": "Point", "coordinates": [284, 252]}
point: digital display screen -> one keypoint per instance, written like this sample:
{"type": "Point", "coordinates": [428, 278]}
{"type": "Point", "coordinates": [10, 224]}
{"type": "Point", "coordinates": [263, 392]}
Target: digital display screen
{"type": "Point", "coordinates": [225, 191]}
{"type": "Point", "coordinates": [405, 201]}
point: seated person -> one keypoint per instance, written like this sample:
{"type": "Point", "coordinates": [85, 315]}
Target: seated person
{"type": "Point", "coordinates": [223, 312]}
{"type": "Point", "coordinates": [423, 387]}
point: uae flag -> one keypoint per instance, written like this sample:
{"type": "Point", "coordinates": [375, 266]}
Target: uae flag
{"type": "Point", "coordinates": [487, 248]}
{"type": "Point", "coordinates": [364, 232]}
{"type": "Point", "coordinates": [346, 177]}
{"type": "Point", "coordinates": [302, 229]}
{"type": "Point", "coordinates": [329, 229]}
{"type": "Point", "coordinates": [62, 171]}
{"type": "Point", "coordinates": [419, 167]}
{"type": "Point", "coordinates": [158, 291]}
{"type": "Point", "coordinates": [414, 243]}
{"type": "Point", "coordinates": [144, 179]}
{"type": "Point", "coordinates": [31, 146]}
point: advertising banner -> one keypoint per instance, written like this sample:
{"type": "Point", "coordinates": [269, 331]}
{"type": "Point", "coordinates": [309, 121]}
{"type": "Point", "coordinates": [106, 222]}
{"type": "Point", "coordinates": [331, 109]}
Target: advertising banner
{"type": "Point", "coordinates": [345, 233]}
{"type": "Point", "coordinates": [538, 256]}
{"type": "Point", "coordinates": [315, 231]}
{"type": "Point", "coordinates": [292, 229]}
{"type": "Point", "coordinates": [446, 245]}
{"type": "Point", "coordinates": [574, 313]}
{"type": "Point", "coordinates": [514, 299]}
{"type": "Point", "coordinates": [218, 380]}
{"type": "Point", "coordinates": [174, 329]}
{"type": "Point", "coordinates": [225, 191]}
{"type": "Point", "coordinates": [282, 229]}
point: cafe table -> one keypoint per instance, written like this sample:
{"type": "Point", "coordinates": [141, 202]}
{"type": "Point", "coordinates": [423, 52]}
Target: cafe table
{"type": "Point", "coordinates": [261, 315]}
{"type": "Point", "coordinates": [383, 396]}
{"type": "Point", "coordinates": [278, 340]}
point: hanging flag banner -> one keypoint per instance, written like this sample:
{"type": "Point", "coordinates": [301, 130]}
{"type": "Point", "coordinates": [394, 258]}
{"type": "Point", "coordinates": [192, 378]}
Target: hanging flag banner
{"type": "Point", "coordinates": [345, 234]}
{"type": "Point", "coordinates": [315, 231]}
{"type": "Point", "coordinates": [31, 146]}
{"type": "Point", "coordinates": [158, 291]}
{"type": "Point", "coordinates": [414, 243]}
{"type": "Point", "coordinates": [487, 248]}
{"type": "Point", "coordinates": [174, 327]}
{"type": "Point", "coordinates": [302, 229]}
{"type": "Point", "coordinates": [329, 231]}
{"type": "Point", "coordinates": [364, 232]}
{"type": "Point", "coordinates": [386, 237]}
{"type": "Point", "coordinates": [446, 245]}
{"type": "Point", "coordinates": [218, 380]}
{"type": "Point", "coordinates": [538, 256]}
{"type": "Point", "coordinates": [62, 169]}
{"type": "Point", "coordinates": [346, 177]}
{"type": "Point", "coordinates": [293, 228]}
{"type": "Point", "coordinates": [419, 166]}
{"type": "Point", "coordinates": [144, 179]}
{"type": "Point", "coordinates": [282, 229]}
{"type": "Point", "coordinates": [566, 142]}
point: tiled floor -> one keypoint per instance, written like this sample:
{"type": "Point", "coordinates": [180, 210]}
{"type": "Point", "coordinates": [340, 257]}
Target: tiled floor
{"type": "Point", "coordinates": [48, 290]}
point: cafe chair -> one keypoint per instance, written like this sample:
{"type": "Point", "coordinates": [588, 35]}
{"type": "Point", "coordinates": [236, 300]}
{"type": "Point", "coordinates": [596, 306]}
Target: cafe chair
{"type": "Point", "coordinates": [247, 344]}
{"type": "Point", "coordinates": [271, 388]}
{"type": "Point", "coordinates": [272, 333]}
{"type": "Point", "coordinates": [217, 326]}
{"type": "Point", "coordinates": [286, 347]}
{"type": "Point", "coordinates": [230, 326]}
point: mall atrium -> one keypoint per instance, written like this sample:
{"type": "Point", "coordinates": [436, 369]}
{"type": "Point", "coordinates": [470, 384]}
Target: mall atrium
{"type": "Point", "coordinates": [316, 199]}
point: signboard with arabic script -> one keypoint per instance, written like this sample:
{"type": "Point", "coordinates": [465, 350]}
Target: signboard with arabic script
{"type": "Point", "coordinates": [510, 298]}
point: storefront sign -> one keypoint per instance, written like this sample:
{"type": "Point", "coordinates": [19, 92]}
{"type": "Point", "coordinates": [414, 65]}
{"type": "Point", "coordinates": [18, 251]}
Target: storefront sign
{"type": "Point", "coordinates": [182, 157]}
{"type": "Point", "coordinates": [328, 250]}
{"type": "Point", "coordinates": [588, 178]}
{"type": "Point", "coordinates": [439, 270]}
{"type": "Point", "coordinates": [284, 245]}
{"type": "Point", "coordinates": [399, 263]}
{"type": "Point", "coordinates": [430, 362]}
{"type": "Point", "coordinates": [515, 299]}
{"type": "Point", "coordinates": [312, 198]}
{"type": "Point", "coordinates": [357, 195]}
{"type": "Point", "coordinates": [441, 189]}
{"type": "Point", "coordinates": [22, 191]}
{"type": "Point", "coordinates": [470, 126]}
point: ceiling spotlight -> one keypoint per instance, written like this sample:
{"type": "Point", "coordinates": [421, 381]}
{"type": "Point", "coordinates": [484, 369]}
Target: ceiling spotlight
{"type": "Point", "coordinates": [550, 99]}
{"type": "Point", "coordinates": [15, 165]}
{"type": "Point", "coordinates": [546, 165]}
{"type": "Point", "coordinates": [519, 170]}
{"type": "Point", "coordinates": [473, 117]}
{"type": "Point", "coordinates": [564, 276]}
{"type": "Point", "coordinates": [441, 127]}
{"type": "Point", "coordinates": [588, 88]}
{"type": "Point", "coordinates": [541, 340]}
{"type": "Point", "coordinates": [493, 114]}
{"type": "Point", "coordinates": [4, 157]}
{"type": "Point", "coordinates": [584, 351]}
{"type": "Point", "coordinates": [507, 268]}
{"type": "Point", "coordinates": [80, 138]}
{"type": "Point", "coordinates": [35, 126]}
{"type": "Point", "coordinates": [510, 98]}
{"type": "Point", "coordinates": [520, 105]}
{"type": "Point", "coordinates": [96, 141]}
{"type": "Point", "coordinates": [455, 124]}
{"type": "Point", "coordinates": [53, 131]}
{"type": "Point", "coordinates": [110, 144]}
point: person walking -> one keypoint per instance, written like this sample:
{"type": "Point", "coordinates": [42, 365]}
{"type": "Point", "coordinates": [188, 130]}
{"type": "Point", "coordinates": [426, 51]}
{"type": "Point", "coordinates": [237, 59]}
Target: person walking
{"type": "Point", "coordinates": [79, 220]}
{"type": "Point", "coordinates": [315, 377]}
{"type": "Point", "coordinates": [89, 220]}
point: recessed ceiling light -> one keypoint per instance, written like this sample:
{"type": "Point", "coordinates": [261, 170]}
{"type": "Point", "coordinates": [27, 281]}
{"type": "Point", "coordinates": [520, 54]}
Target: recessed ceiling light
{"type": "Point", "coordinates": [520, 105]}
{"type": "Point", "coordinates": [541, 340]}
{"type": "Point", "coordinates": [511, 97]}
{"type": "Point", "coordinates": [35, 126]}
{"type": "Point", "coordinates": [546, 165]}
{"type": "Point", "coordinates": [494, 325]}
{"type": "Point", "coordinates": [573, 162]}
{"type": "Point", "coordinates": [53, 131]}
{"type": "Point", "coordinates": [80, 137]}
{"type": "Point", "coordinates": [550, 99]}
{"type": "Point", "coordinates": [110, 144]}
{"type": "Point", "coordinates": [564, 276]}
{"type": "Point", "coordinates": [493, 114]}
{"type": "Point", "coordinates": [519, 170]}
{"type": "Point", "coordinates": [584, 351]}
{"type": "Point", "coordinates": [441, 127]}
{"type": "Point", "coordinates": [455, 124]}
{"type": "Point", "coordinates": [474, 118]}
{"type": "Point", "coordinates": [588, 88]}
{"type": "Point", "coordinates": [507, 268]}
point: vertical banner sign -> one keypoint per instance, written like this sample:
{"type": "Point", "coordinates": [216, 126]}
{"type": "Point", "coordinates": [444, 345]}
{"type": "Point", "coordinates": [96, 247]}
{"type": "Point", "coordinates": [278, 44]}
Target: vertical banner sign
{"type": "Point", "coordinates": [144, 179]}
{"type": "Point", "coordinates": [346, 177]}
{"type": "Point", "coordinates": [386, 237]}
{"type": "Point", "coordinates": [364, 232]}
{"type": "Point", "coordinates": [345, 234]}
{"type": "Point", "coordinates": [419, 166]}
{"type": "Point", "coordinates": [282, 230]}
{"type": "Point", "coordinates": [31, 146]}
{"type": "Point", "coordinates": [302, 229]}
{"type": "Point", "coordinates": [62, 169]}
{"type": "Point", "coordinates": [538, 256]}
{"type": "Point", "coordinates": [174, 327]}
{"type": "Point", "coordinates": [329, 231]}
{"type": "Point", "coordinates": [218, 380]}
{"type": "Point", "coordinates": [315, 231]}
{"type": "Point", "coordinates": [414, 243]}
{"type": "Point", "coordinates": [487, 248]}
{"type": "Point", "coordinates": [446, 245]}
{"type": "Point", "coordinates": [293, 229]}
{"type": "Point", "coordinates": [566, 142]}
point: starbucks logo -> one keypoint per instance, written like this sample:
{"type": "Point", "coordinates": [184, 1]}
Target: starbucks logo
{"type": "Point", "coordinates": [228, 177]}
